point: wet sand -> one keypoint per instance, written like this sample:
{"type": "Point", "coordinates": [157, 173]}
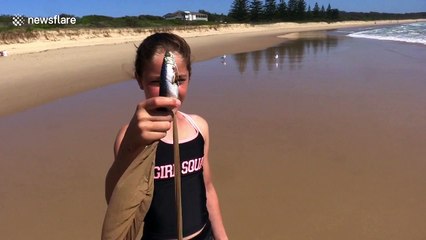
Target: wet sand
{"type": "Point", "coordinates": [327, 142]}
{"type": "Point", "coordinates": [65, 72]}
{"type": "Point", "coordinates": [44, 71]}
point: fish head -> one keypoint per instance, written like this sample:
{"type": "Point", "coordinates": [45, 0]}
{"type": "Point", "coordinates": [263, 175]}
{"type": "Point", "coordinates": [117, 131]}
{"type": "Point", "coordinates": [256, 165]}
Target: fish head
{"type": "Point", "coordinates": [169, 86]}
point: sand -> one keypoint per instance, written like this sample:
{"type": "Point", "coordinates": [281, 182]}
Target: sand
{"type": "Point", "coordinates": [38, 72]}
{"type": "Point", "coordinates": [328, 144]}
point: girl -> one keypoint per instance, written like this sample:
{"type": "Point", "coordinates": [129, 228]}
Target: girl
{"type": "Point", "coordinates": [151, 125]}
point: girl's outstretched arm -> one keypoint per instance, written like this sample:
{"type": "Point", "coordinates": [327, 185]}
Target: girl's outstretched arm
{"type": "Point", "coordinates": [147, 125]}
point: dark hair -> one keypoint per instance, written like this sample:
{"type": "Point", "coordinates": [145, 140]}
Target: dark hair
{"type": "Point", "coordinates": [156, 42]}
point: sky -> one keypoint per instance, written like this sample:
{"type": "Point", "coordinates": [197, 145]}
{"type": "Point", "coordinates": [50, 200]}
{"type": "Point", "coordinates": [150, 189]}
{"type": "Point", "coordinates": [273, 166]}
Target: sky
{"type": "Point", "coordinates": [118, 8]}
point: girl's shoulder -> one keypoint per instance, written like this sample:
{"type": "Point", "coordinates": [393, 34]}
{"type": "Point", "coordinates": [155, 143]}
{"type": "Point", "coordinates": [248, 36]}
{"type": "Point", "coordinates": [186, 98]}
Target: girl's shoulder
{"type": "Point", "coordinates": [201, 123]}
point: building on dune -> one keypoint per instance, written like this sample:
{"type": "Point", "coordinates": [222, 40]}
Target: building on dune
{"type": "Point", "coordinates": [187, 16]}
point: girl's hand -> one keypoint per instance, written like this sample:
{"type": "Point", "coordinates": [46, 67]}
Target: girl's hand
{"type": "Point", "coordinates": [152, 119]}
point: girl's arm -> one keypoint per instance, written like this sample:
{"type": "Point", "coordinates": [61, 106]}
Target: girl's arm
{"type": "Point", "coordinates": [147, 125]}
{"type": "Point", "coordinates": [213, 207]}
{"type": "Point", "coordinates": [129, 201]}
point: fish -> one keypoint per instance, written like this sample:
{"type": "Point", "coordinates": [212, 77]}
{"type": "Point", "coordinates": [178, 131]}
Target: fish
{"type": "Point", "coordinates": [169, 87]}
{"type": "Point", "coordinates": [169, 84]}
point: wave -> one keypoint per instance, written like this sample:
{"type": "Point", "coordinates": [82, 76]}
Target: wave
{"type": "Point", "coordinates": [409, 33]}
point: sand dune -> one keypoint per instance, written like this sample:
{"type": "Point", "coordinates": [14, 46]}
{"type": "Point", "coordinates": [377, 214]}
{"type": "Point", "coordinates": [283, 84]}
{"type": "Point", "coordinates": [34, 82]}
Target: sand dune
{"type": "Point", "coordinates": [53, 39]}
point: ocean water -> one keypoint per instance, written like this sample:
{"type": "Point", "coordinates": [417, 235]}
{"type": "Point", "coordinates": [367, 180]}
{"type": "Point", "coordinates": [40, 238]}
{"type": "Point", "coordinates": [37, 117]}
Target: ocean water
{"type": "Point", "coordinates": [411, 33]}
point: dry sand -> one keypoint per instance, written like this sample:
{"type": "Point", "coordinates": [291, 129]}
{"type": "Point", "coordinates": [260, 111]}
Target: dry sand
{"type": "Point", "coordinates": [89, 37]}
{"type": "Point", "coordinates": [44, 70]}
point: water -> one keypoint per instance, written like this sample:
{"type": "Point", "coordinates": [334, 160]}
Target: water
{"type": "Point", "coordinates": [411, 33]}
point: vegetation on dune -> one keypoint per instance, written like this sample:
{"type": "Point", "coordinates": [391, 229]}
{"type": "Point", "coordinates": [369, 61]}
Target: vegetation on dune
{"type": "Point", "coordinates": [98, 23]}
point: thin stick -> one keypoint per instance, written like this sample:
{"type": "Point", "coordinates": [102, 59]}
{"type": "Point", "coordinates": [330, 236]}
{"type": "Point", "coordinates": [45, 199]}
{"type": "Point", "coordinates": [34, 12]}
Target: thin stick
{"type": "Point", "coordinates": [178, 186]}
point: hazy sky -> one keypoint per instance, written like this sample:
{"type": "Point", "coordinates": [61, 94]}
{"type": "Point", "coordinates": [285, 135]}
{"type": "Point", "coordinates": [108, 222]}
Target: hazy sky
{"type": "Point", "coordinates": [160, 7]}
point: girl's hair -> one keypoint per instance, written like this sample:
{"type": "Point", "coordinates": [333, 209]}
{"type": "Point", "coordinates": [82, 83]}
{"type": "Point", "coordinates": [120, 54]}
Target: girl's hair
{"type": "Point", "coordinates": [160, 41]}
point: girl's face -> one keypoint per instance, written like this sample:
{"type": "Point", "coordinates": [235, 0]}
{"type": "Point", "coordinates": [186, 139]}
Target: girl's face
{"type": "Point", "coordinates": [150, 81]}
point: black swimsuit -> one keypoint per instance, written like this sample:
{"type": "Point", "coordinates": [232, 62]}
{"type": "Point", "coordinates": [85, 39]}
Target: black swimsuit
{"type": "Point", "coordinates": [160, 221]}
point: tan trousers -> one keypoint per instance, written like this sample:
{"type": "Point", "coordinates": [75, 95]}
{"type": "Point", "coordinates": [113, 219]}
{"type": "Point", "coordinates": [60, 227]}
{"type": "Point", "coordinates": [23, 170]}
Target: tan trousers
{"type": "Point", "coordinates": [131, 198]}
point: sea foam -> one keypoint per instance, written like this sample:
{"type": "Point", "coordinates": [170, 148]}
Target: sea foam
{"type": "Point", "coordinates": [410, 33]}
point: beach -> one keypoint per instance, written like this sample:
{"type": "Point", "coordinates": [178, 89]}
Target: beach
{"type": "Point", "coordinates": [327, 142]}
{"type": "Point", "coordinates": [64, 66]}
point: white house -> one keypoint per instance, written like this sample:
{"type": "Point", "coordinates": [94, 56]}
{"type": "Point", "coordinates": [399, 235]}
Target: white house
{"type": "Point", "coordinates": [187, 15]}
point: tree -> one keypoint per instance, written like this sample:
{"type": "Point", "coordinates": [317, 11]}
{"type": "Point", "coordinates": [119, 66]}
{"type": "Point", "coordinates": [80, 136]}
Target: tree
{"type": "Point", "coordinates": [296, 9]}
{"type": "Point", "coordinates": [316, 11]}
{"type": "Point", "coordinates": [255, 10]}
{"type": "Point", "coordinates": [331, 14]}
{"type": "Point", "coordinates": [309, 12]}
{"type": "Point", "coordinates": [292, 8]}
{"type": "Point", "coordinates": [282, 10]}
{"type": "Point", "coordinates": [239, 10]}
{"type": "Point", "coordinates": [334, 14]}
{"type": "Point", "coordinates": [329, 8]}
{"type": "Point", "coordinates": [322, 12]}
{"type": "Point", "coordinates": [270, 9]}
{"type": "Point", "coordinates": [300, 9]}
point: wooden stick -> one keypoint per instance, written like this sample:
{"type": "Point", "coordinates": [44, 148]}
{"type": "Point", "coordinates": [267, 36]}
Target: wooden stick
{"type": "Point", "coordinates": [178, 186]}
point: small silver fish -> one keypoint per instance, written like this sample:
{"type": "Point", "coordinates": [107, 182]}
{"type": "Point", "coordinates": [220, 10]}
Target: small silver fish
{"type": "Point", "coordinates": [169, 85]}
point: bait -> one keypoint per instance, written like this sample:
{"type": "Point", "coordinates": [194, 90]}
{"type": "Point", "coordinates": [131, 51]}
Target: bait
{"type": "Point", "coordinates": [169, 85]}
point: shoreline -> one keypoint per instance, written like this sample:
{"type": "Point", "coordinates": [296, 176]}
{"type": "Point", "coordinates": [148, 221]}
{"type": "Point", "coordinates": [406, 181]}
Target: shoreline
{"type": "Point", "coordinates": [70, 38]}
{"type": "Point", "coordinates": [39, 75]}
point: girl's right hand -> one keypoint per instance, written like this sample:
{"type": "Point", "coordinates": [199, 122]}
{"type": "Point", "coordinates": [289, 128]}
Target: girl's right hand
{"type": "Point", "coordinates": [150, 123]}
{"type": "Point", "coordinates": [152, 119]}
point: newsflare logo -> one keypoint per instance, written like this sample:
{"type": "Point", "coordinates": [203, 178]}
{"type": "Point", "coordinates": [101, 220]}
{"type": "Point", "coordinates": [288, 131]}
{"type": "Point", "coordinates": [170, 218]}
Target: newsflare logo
{"type": "Point", "coordinates": [18, 20]}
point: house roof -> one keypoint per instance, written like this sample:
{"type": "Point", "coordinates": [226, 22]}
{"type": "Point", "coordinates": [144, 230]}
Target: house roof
{"type": "Point", "coordinates": [180, 13]}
